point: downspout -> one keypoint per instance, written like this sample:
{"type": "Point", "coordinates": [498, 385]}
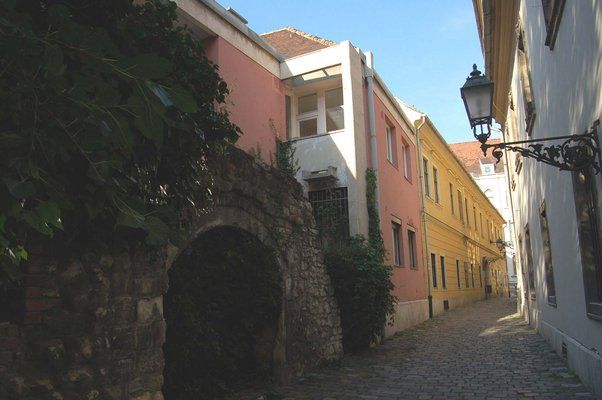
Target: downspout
{"type": "Point", "coordinates": [372, 125]}
{"type": "Point", "coordinates": [423, 213]}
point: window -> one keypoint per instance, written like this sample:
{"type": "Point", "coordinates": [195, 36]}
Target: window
{"type": "Point", "coordinates": [527, 88]}
{"type": "Point", "coordinates": [319, 112]}
{"type": "Point", "coordinates": [391, 144]}
{"type": "Point", "coordinates": [427, 179]}
{"type": "Point", "coordinates": [331, 211]}
{"type": "Point", "coordinates": [467, 215]}
{"type": "Point", "coordinates": [307, 115]}
{"type": "Point", "coordinates": [397, 247]}
{"type": "Point", "coordinates": [472, 273]}
{"type": "Point", "coordinates": [458, 273]}
{"type": "Point", "coordinates": [466, 279]}
{"type": "Point", "coordinates": [451, 198]}
{"type": "Point", "coordinates": [552, 13]}
{"type": "Point", "coordinates": [480, 275]}
{"type": "Point", "coordinates": [474, 218]}
{"type": "Point", "coordinates": [590, 239]}
{"type": "Point", "coordinates": [335, 115]}
{"type": "Point", "coordinates": [443, 277]}
{"type": "Point", "coordinates": [436, 183]}
{"type": "Point", "coordinates": [529, 258]}
{"type": "Point", "coordinates": [481, 218]}
{"type": "Point", "coordinates": [412, 248]}
{"type": "Point", "coordinates": [407, 161]}
{"type": "Point", "coordinates": [460, 207]}
{"type": "Point", "coordinates": [434, 269]}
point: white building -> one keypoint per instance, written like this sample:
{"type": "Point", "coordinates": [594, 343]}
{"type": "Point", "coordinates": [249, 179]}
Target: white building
{"type": "Point", "coordinates": [545, 58]}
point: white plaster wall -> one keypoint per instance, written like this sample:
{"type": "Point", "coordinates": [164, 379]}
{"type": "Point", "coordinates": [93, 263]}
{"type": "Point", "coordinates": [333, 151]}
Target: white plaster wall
{"type": "Point", "coordinates": [566, 88]}
{"type": "Point", "coordinates": [496, 188]}
{"type": "Point", "coordinates": [344, 150]}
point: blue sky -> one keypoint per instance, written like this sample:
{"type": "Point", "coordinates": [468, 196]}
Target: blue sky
{"type": "Point", "coordinates": [423, 49]}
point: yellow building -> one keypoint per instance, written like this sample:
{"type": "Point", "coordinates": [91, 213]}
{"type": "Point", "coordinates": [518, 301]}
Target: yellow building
{"type": "Point", "coordinates": [462, 229]}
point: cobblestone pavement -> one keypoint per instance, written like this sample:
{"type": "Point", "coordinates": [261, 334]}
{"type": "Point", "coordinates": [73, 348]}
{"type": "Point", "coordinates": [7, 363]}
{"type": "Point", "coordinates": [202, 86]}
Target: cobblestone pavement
{"type": "Point", "coordinates": [480, 351]}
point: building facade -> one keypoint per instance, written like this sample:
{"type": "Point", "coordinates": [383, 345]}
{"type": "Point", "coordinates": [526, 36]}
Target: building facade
{"type": "Point", "coordinates": [493, 181]}
{"type": "Point", "coordinates": [326, 101]}
{"type": "Point", "coordinates": [545, 58]}
{"type": "Point", "coordinates": [461, 226]}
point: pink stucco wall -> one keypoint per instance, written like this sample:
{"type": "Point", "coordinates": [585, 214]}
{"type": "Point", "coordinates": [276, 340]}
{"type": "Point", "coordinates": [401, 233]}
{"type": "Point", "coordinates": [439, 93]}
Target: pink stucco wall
{"type": "Point", "coordinates": [399, 197]}
{"type": "Point", "coordinates": [256, 102]}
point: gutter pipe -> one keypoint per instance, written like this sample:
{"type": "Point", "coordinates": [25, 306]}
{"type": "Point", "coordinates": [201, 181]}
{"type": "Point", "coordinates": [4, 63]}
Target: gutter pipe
{"type": "Point", "coordinates": [423, 212]}
{"type": "Point", "coordinates": [369, 73]}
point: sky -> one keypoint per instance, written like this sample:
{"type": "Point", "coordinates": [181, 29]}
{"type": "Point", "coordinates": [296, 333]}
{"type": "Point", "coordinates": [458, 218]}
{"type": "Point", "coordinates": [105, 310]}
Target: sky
{"type": "Point", "coordinates": [423, 49]}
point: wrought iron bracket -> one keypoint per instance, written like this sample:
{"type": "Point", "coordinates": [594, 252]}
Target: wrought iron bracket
{"type": "Point", "coordinates": [576, 153]}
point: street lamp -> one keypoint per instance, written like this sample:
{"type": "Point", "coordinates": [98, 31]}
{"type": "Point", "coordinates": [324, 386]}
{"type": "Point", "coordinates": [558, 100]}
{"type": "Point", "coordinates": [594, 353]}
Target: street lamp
{"type": "Point", "coordinates": [477, 94]}
{"type": "Point", "coordinates": [579, 152]}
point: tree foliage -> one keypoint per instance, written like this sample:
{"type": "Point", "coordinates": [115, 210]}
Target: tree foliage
{"type": "Point", "coordinates": [108, 111]}
{"type": "Point", "coordinates": [362, 286]}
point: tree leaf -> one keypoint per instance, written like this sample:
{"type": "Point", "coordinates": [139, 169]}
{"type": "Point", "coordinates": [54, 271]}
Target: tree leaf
{"type": "Point", "coordinates": [50, 212]}
{"type": "Point", "coordinates": [53, 59]}
{"type": "Point", "coordinates": [151, 66]}
{"type": "Point", "coordinates": [34, 220]}
{"type": "Point", "coordinates": [183, 99]}
{"type": "Point", "coordinates": [20, 190]}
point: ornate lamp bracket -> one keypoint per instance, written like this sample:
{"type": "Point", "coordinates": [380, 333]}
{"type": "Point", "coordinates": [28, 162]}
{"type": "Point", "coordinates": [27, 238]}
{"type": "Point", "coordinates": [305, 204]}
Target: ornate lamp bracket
{"type": "Point", "coordinates": [576, 153]}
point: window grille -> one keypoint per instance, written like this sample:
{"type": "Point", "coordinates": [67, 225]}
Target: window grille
{"type": "Point", "coordinates": [331, 211]}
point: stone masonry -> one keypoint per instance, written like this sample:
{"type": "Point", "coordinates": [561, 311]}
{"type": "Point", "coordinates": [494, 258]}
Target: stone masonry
{"type": "Point", "coordinates": [93, 325]}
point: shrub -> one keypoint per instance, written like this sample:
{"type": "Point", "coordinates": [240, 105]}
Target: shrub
{"type": "Point", "coordinates": [108, 111]}
{"type": "Point", "coordinates": [362, 286]}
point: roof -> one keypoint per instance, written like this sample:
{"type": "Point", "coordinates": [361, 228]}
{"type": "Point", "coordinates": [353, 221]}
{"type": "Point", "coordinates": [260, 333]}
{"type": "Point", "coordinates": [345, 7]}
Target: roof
{"type": "Point", "coordinates": [470, 154]}
{"type": "Point", "coordinates": [291, 42]}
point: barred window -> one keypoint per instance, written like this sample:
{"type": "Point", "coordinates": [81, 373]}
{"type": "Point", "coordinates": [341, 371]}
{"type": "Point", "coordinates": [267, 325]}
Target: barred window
{"type": "Point", "coordinates": [331, 211]}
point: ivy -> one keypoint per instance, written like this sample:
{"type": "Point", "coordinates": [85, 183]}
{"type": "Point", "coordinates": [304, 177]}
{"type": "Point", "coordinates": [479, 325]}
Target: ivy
{"type": "Point", "coordinates": [362, 286]}
{"type": "Point", "coordinates": [285, 158]}
{"type": "Point", "coordinates": [375, 237]}
{"type": "Point", "coordinates": [361, 280]}
{"type": "Point", "coordinates": [108, 111]}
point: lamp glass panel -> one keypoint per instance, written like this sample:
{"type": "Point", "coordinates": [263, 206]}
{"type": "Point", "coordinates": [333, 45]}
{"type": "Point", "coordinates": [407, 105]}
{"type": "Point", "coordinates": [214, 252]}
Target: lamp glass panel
{"type": "Point", "coordinates": [478, 101]}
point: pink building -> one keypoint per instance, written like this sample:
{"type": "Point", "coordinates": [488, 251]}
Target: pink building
{"type": "Point", "coordinates": [328, 102]}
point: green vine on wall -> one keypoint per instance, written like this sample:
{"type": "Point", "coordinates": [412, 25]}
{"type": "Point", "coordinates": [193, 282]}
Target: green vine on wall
{"type": "Point", "coordinates": [285, 158]}
{"type": "Point", "coordinates": [375, 237]}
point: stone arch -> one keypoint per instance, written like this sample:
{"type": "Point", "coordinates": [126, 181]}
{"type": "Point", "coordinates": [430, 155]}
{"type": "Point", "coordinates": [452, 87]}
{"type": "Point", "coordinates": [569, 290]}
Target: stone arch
{"type": "Point", "coordinates": [271, 207]}
{"type": "Point", "coordinates": [115, 296]}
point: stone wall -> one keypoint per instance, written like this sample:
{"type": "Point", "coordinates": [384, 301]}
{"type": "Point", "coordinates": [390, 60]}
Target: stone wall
{"type": "Point", "coordinates": [93, 324]}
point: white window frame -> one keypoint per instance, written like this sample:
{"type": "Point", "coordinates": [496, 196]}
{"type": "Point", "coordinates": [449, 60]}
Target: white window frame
{"type": "Point", "coordinates": [319, 113]}
{"type": "Point", "coordinates": [412, 249]}
{"type": "Point", "coordinates": [397, 245]}
{"type": "Point", "coordinates": [389, 140]}
{"type": "Point", "coordinates": [406, 160]}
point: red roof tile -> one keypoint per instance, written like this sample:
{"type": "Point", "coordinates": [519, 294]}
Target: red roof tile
{"type": "Point", "coordinates": [291, 42]}
{"type": "Point", "coordinates": [470, 154]}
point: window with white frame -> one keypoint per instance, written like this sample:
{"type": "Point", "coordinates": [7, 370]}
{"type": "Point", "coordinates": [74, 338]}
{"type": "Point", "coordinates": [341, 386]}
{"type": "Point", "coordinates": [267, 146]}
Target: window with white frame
{"type": "Point", "coordinates": [412, 248]}
{"type": "Point", "coordinates": [307, 115]}
{"type": "Point", "coordinates": [427, 178]}
{"type": "Point", "coordinates": [407, 160]}
{"type": "Point", "coordinates": [335, 115]}
{"type": "Point", "coordinates": [391, 144]}
{"type": "Point", "coordinates": [436, 183]}
{"type": "Point", "coordinates": [397, 248]}
{"type": "Point", "coordinates": [320, 112]}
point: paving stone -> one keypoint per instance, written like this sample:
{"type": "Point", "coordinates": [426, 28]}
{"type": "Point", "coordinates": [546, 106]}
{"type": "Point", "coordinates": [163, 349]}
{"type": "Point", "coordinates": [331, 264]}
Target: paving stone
{"type": "Point", "coordinates": [480, 351]}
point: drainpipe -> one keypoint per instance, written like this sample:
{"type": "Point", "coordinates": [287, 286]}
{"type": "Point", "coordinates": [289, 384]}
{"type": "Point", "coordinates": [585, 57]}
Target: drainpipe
{"type": "Point", "coordinates": [372, 124]}
{"type": "Point", "coordinates": [423, 212]}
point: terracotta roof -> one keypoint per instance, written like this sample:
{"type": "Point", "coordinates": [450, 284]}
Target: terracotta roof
{"type": "Point", "coordinates": [470, 153]}
{"type": "Point", "coordinates": [291, 42]}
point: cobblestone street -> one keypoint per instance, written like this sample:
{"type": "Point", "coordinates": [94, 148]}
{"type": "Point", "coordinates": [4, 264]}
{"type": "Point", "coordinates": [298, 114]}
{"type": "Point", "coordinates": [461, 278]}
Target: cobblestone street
{"type": "Point", "coordinates": [481, 351]}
